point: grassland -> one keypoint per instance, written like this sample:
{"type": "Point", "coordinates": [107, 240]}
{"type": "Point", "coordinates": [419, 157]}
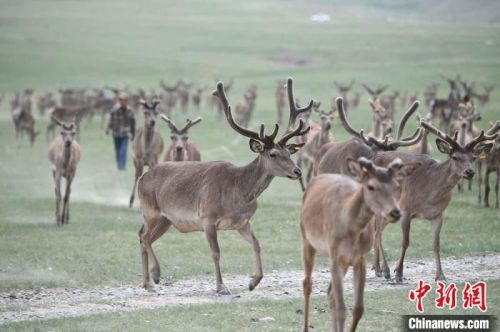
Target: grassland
{"type": "Point", "coordinates": [50, 44]}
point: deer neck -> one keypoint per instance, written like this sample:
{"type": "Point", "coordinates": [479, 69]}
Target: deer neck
{"type": "Point", "coordinates": [442, 177]}
{"type": "Point", "coordinates": [358, 212]}
{"type": "Point", "coordinates": [149, 132]}
{"type": "Point", "coordinates": [66, 155]}
{"type": "Point", "coordinates": [253, 179]}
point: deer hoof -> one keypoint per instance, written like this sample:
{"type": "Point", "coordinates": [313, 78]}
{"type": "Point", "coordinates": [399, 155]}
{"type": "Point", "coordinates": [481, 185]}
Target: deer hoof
{"type": "Point", "coordinates": [148, 286]}
{"type": "Point", "coordinates": [398, 279]}
{"type": "Point", "coordinates": [387, 275]}
{"type": "Point", "coordinates": [254, 282]}
{"type": "Point", "coordinates": [156, 279]}
{"type": "Point", "coordinates": [223, 290]}
{"type": "Point", "coordinates": [440, 277]}
{"type": "Point", "coordinates": [378, 273]}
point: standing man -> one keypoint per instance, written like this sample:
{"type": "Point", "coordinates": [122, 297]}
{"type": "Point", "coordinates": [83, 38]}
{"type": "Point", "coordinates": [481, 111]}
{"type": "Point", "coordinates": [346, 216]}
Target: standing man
{"type": "Point", "coordinates": [122, 125]}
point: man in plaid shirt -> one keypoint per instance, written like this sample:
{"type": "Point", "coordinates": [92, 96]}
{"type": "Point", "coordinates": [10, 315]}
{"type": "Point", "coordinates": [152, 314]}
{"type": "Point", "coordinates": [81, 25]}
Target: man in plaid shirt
{"type": "Point", "coordinates": [122, 125]}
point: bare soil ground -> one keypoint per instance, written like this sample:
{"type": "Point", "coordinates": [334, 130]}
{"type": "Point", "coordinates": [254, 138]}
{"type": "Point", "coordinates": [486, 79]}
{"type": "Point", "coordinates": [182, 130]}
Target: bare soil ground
{"type": "Point", "coordinates": [50, 303]}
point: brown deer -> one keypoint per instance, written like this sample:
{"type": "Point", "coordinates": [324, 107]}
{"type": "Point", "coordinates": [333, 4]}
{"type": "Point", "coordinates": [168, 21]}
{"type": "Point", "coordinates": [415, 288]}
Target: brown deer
{"type": "Point", "coordinates": [491, 163]}
{"type": "Point", "coordinates": [428, 191]}
{"type": "Point", "coordinates": [343, 90]}
{"type": "Point", "coordinates": [23, 119]}
{"type": "Point", "coordinates": [147, 144]}
{"type": "Point", "coordinates": [64, 156]}
{"type": "Point", "coordinates": [45, 102]}
{"type": "Point", "coordinates": [196, 98]}
{"type": "Point", "coordinates": [243, 112]}
{"type": "Point", "coordinates": [430, 93]}
{"type": "Point", "coordinates": [382, 119]}
{"type": "Point", "coordinates": [181, 148]}
{"type": "Point", "coordinates": [336, 221]}
{"type": "Point", "coordinates": [484, 98]}
{"type": "Point", "coordinates": [306, 155]}
{"type": "Point", "coordinates": [212, 196]}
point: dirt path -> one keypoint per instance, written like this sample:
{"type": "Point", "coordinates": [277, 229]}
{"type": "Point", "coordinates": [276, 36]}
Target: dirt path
{"type": "Point", "coordinates": [56, 302]}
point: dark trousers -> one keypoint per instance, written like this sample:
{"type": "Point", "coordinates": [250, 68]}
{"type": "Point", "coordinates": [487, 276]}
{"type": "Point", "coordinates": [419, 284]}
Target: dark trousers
{"type": "Point", "coordinates": [121, 144]}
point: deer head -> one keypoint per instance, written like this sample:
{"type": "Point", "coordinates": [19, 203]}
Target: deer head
{"type": "Point", "coordinates": [68, 131]}
{"type": "Point", "coordinates": [463, 156]}
{"type": "Point", "coordinates": [150, 112]}
{"type": "Point", "coordinates": [180, 137]}
{"type": "Point", "coordinates": [274, 155]}
{"type": "Point", "coordinates": [380, 184]}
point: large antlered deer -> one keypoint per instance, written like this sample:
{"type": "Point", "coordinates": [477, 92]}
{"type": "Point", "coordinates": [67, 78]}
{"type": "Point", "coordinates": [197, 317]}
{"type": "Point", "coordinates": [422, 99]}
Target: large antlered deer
{"type": "Point", "coordinates": [428, 191]}
{"type": "Point", "coordinates": [212, 196]}
{"type": "Point", "coordinates": [336, 221]}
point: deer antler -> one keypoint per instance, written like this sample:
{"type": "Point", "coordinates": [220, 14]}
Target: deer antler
{"type": "Point", "coordinates": [413, 108]}
{"type": "Point", "coordinates": [191, 123]}
{"type": "Point", "coordinates": [268, 140]}
{"type": "Point", "coordinates": [170, 123]}
{"type": "Point", "coordinates": [343, 121]}
{"type": "Point", "coordinates": [294, 110]}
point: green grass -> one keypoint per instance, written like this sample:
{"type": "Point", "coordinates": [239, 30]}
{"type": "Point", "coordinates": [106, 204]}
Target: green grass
{"type": "Point", "coordinates": [50, 44]}
{"type": "Point", "coordinates": [383, 312]}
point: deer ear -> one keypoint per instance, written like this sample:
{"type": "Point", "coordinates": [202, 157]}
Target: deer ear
{"type": "Point", "coordinates": [256, 146]}
{"type": "Point", "coordinates": [443, 147]}
{"type": "Point", "coordinates": [355, 169]}
{"type": "Point", "coordinates": [292, 148]}
{"type": "Point", "coordinates": [482, 148]}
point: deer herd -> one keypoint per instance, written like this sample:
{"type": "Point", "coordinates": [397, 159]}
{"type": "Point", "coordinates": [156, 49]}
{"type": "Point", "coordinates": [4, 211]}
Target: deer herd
{"type": "Point", "coordinates": [352, 189]}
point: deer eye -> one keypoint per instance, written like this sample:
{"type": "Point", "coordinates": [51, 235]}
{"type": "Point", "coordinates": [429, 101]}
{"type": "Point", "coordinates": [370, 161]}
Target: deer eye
{"type": "Point", "coordinates": [272, 154]}
{"type": "Point", "coordinates": [454, 158]}
{"type": "Point", "coordinates": [370, 187]}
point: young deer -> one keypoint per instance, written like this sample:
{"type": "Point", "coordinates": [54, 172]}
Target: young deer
{"type": "Point", "coordinates": [147, 144]}
{"type": "Point", "coordinates": [428, 191]}
{"type": "Point", "coordinates": [212, 196]}
{"type": "Point", "coordinates": [335, 221]}
{"type": "Point", "coordinates": [64, 155]}
{"type": "Point", "coordinates": [181, 149]}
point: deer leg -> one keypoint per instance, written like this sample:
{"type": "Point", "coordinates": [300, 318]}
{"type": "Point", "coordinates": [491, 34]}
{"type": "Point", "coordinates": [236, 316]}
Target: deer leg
{"type": "Point", "coordinates": [161, 227]}
{"type": "Point", "coordinates": [436, 231]}
{"type": "Point", "coordinates": [301, 180]}
{"type": "Point", "coordinates": [339, 311]}
{"type": "Point", "coordinates": [405, 227]}
{"type": "Point", "coordinates": [376, 247]}
{"type": "Point", "coordinates": [359, 280]}
{"type": "Point", "coordinates": [150, 230]}
{"type": "Point", "coordinates": [247, 232]}
{"type": "Point", "coordinates": [308, 254]}
{"type": "Point", "coordinates": [65, 213]}
{"type": "Point", "coordinates": [211, 234]}
{"type": "Point", "coordinates": [487, 188]}
{"type": "Point", "coordinates": [479, 181]}
{"type": "Point", "coordinates": [57, 181]}
{"type": "Point", "coordinates": [138, 172]}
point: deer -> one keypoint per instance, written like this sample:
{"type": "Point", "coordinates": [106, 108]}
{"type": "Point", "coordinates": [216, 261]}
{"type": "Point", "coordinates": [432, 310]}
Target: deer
{"type": "Point", "coordinates": [181, 148]}
{"type": "Point", "coordinates": [382, 119]}
{"type": "Point", "coordinates": [45, 102]}
{"type": "Point", "coordinates": [428, 191]}
{"type": "Point", "coordinates": [491, 163]}
{"type": "Point", "coordinates": [147, 144]}
{"type": "Point", "coordinates": [243, 112]}
{"type": "Point", "coordinates": [484, 98]}
{"type": "Point", "coordinates": [66, 113]}
{"type": "Point", "coordinates": [64, 156]}
{"type": "Point", "coordinates": [212, 196]}
{"type": "Point", "coordinates": [336, 221]}
{"type": "Point", "coordinates": [196, 98]}
{"type": "Point", "coordinates": [343, 91]}
{"type": "Point", "coordinates": [307, 154]}
{"type": "Point", "coordinates": [23, 119]}
{"type": "Point", "coordinates": [389, 102]}
{"type": "Point", "coordinates": [430, 93]}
